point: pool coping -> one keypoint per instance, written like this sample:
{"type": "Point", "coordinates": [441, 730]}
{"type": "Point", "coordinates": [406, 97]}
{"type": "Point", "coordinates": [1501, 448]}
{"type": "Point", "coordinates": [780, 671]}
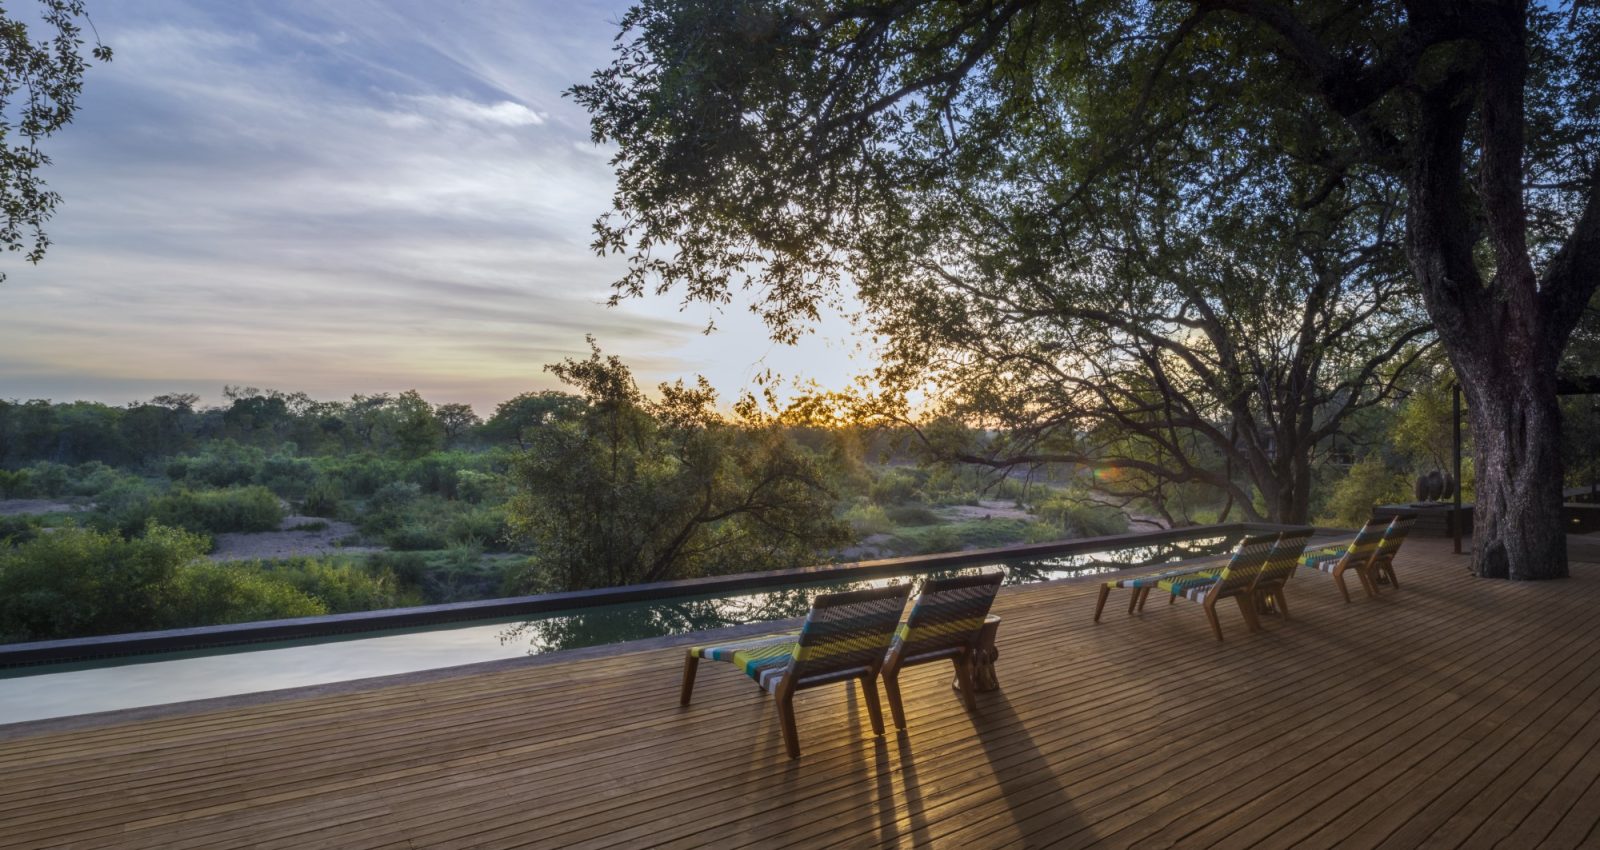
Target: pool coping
{"type": "Point", "coordinates": [210, 637]}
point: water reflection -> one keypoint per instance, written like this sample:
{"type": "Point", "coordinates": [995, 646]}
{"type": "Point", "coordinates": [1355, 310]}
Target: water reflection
{"type": "Point", "coordinates": [636, 621]}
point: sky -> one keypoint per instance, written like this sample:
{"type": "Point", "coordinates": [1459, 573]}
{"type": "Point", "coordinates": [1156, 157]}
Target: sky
{"type": "Point", "coordinates": [347, 197]}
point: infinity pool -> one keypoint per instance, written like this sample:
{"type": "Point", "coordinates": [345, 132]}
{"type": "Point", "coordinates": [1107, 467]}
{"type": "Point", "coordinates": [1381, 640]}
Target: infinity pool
{"type": "Point", "coordinates": [33, 693]}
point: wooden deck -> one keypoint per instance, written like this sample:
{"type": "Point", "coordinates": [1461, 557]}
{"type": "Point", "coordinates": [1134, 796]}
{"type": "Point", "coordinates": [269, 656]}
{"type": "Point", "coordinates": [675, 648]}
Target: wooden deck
{"type": "Point", "coordinates": [1455, 712]}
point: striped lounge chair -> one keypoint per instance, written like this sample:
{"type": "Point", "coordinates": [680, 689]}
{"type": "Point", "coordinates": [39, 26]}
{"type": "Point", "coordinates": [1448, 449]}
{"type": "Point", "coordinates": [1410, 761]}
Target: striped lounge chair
{"type": "Point", "coordinates": [1355, 556]}
{"type": "Point", "coordinates": [844, 637]}
{"type": "Point", "coordinates": [944, 624]}
{"type": "Point", "coordinates": [1279, 568]}
{"type": "Point", "coordinates": [1381, 569]}
{"type": "Point", "coordinates": [1208, 585]}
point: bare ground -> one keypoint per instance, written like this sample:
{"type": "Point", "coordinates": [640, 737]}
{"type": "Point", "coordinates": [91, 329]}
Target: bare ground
{"type": "Point", "coordinates": [19, 507]}
{"type": "Point", "coordinates": [287, 543]}
{"type": "Point", "coordinates": [986, 509]}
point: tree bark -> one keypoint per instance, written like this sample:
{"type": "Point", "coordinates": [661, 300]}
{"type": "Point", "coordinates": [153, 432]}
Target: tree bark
{"type": "Point", "coordinates": [1519, 530]}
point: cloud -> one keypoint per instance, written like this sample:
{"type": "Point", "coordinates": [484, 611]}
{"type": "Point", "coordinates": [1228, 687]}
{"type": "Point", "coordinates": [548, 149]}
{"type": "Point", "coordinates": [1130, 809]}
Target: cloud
{"type": "Point", "coordinates": [346, 197]}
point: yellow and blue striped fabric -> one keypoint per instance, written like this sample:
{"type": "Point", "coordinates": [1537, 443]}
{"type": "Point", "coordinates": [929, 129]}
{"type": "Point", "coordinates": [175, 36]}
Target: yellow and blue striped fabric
{"type": "Point", "coordinates": [1364, 544]}
{"type": "Point", "coordinates": [948, 614]}
{"type": "Point", "coordinates": [1236, 576]}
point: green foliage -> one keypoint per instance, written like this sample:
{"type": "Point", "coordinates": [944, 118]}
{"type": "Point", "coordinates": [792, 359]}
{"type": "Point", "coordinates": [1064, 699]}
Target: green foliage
{"type": "Point", "coordinates": [1366, 485]}
{"type": "Point", "coordinates": [205, 593]}
{"type": "Point", "coordinates": [911, 515]}
{"type": "Point", "coordinates": [75, 582]}
{"type": "Point", "coordinates": [1079, 517]}
{"type": "Point", "coordinates": [16, 530]}
{"type": "Point", "coordinates": [624, 489]}
{"type": "Point", "coordinates": [898, 486]}
{"type": "Point", "coordinates": [237, 509]}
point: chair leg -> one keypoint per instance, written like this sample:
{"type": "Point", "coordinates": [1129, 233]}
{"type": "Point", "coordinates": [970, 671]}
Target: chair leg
{"type": "Point", "coordinates": [1248, 611]}
{"type": "Point", "coordinates": [791, 738]}
{"type": "Point", "coordinates": [1133, 604]}
{"type": "Point", "coordinates": [1338, 578]}
{"type": "Point", "coordinates": [964, 676]}
{"type": "Point", "coordinates": [891, 688]}
{"type": "Point", "coordinates": [1368, 583]}
{"type": "Point", "coordinates": [869, 693]}
{"type": "Point", "coordinates": [1100, 605]}
{"type": "Point", "coordinates": [1282, 602]}
{"type": "Point", "coordinates": [690, 664]}
{"type": "Point", "coordinates": [1211, 614]}
{"type": "Point", "coordinates": [1144, 594]}
{"type": "Point", "coordinates": [1388, 573]}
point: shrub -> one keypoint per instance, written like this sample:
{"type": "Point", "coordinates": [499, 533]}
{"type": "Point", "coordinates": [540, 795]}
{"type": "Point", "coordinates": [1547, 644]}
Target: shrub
{"type": "Point", "coordinates": [224, 463]}
{"type": "Point", "coordinates": [408, 568]}
{"type": "Point", "coordinates": [1083, 519]}
{"type": "Point", "coordinates": [75, 582]}
{"type": "Point", "coordinates": [205, 593]}
{"type": "Point", "coordinates": [17, 530]}
{"type": "Point", "coordinates": [246, 509]}
{"type": "Point", "coordinates": [416, 536]}
{"type": "Point", "coordinates": [868, 519]}
{"type": "Point", "coordinates": [340, 587]}
{"type": "Point", "coordinates": [1366, 484]}
{"type": "Point", "coordinates": [896, 487]}
{"type": "Point", "coordinates": [322, 500]}
{"type": "Point", "coordinates": [15, 484]}
{"type": "Point", "coordinates": [396, 495]}
{"type": "Point", "coordinates": [911, 515]}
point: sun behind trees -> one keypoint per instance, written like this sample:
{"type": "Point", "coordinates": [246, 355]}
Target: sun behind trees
{"type": "Point", "coordinates": [1202, 231]}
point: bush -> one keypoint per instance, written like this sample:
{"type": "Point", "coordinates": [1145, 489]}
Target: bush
{"type": "Point", "coordinates": [416, 536]}
{"type": "Point", "coordinates": [205, 593]}
{"type": "Point", "coordinates": [244, 509]}
{"type": "Point", "coordinates": [17, 530]}
{"type": "Point", "coordinates": [1365, 485]}
{"type": "Point", "coordinates": [15, 484]}
{"type": "Point", "coordinates": [224, 463]}
{"type": "Point", "coordinates": [322, 500]}
{"type": "Point", "coordinates": [75, 582]}
{"type": "Point", "coordinates": [868, 519]}
{"type": "Point", "coordinates": [340, 587]}
{"type": "Point", "coordinates": [911, 515]}
{"type": "Point", "coordinates": [896, 487]}
{"type": "Point", "coordinates": [1079, 518]}
{"type": "Point", "coordinates": [408, 568]}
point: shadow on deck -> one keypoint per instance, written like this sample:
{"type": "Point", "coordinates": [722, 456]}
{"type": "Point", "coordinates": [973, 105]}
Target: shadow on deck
{"type": "Point", "coordinates": [1453, 711]}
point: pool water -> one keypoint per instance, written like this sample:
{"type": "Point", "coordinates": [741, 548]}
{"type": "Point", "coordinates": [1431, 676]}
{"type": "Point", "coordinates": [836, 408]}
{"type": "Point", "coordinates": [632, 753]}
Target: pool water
{"type": "Point", "coordinates": [33, 693]}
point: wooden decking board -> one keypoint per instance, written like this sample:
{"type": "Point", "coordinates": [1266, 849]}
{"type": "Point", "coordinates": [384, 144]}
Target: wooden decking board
{"type": "Point", "coordinates": [1088, 741]}
{"type": "Point", "coordinates": [1186, 746]}
{"type": "Point", "coordinates": [1344, 780]}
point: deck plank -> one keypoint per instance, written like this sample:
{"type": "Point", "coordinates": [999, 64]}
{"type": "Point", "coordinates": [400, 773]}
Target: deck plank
{"type": "Point", "coordinates": [1454, 712]}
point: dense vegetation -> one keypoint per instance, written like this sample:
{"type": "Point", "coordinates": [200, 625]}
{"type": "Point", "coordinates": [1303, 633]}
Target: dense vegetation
{"type": "Point", "coordinates": [121, 518]}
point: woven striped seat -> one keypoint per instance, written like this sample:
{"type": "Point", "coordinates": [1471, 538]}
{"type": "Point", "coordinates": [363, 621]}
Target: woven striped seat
{"type": "Point", "coordinates": [845, 636]}
{"type": "Point", "coordinates": [1381, 567]}
{"type": "Point", "coordinates": [1268, 590]}
{"type": "Point", "coordinates": [1205, 585]}
{"type": "Point", "coordinates": [1355, 556]}
{"type": "Point", "coordinates": [944, 624]}
{"type": "Point", "coordinates": [761, 658]}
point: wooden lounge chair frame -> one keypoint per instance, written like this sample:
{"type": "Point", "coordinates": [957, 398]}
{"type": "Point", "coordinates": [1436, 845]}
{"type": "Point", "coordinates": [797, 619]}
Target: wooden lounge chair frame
{"type": "Point", "coordinates": [1357, 557]}
{"type": "Point", "coordinates": [1268, 591]}
{"type": "Point", "coordinates": [1380, 569]}
{"type": "Point", "coordinates": [946, 622]}
{"type": "Point", "coordinates": [845, 637]}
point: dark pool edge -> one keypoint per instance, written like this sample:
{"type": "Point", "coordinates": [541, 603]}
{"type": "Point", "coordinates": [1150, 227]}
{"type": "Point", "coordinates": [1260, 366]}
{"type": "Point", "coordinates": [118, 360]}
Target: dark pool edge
{"type": "Point", "coordinates": [209, 637]}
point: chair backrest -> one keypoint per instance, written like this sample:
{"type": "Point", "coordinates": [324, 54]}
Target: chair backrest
{"type": "Point", "coordinates": [948, 613]}
{"type": "Point", "coordinates": [848, 630]}
{"type": "Point", "coordinates": [1246, 563]}
{"type": "Point", "coordinates": [1284, 557]}
{"type": "Point", "coordinates": [1393, 537]}
{"type": "Point", "coordinates": [1366, 542]}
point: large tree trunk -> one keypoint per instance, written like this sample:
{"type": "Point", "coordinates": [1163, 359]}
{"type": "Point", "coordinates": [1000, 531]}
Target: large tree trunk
{"type": "Point", "coordinates": [1519, 530]}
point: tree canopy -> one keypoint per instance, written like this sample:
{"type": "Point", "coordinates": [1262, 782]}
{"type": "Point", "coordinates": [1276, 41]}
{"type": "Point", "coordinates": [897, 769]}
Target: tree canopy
{"type": "Point", "coordinates": [41, 74]}
{"type": "Point", "coordinates": [1121, 197]}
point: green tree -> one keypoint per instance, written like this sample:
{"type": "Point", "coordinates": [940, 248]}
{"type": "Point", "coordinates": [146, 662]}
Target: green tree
{"type": "Point", "coordinates": [790, 148]}
{"type": "Point", "coordinates": [622, 489]}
